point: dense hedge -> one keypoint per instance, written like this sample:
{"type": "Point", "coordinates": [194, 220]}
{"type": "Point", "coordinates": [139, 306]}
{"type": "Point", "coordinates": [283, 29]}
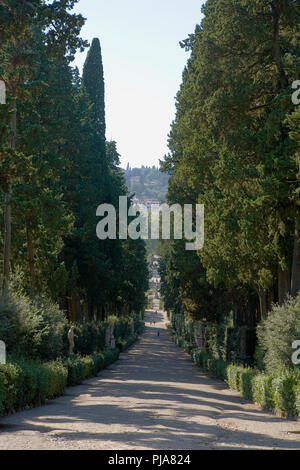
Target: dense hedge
{"type": "Point", "coordinates": [222, 340]}
{"type": "Point", "coordinates": [124, 343]}
{"type": "Point", "coordinates": [279, 392]}
{"type": "Point", "coordinates": [89, 337]}
{"type": "Point", "coordinates": [216, 367]}
{"type": "Point", "coordinates": [81, 368]}
{"type": "Point", "coordinates": [31, 382]}
{"type": "Point", "coordinates": [32, 328]}
{"type": "Point", "coordinates": [276, 335]}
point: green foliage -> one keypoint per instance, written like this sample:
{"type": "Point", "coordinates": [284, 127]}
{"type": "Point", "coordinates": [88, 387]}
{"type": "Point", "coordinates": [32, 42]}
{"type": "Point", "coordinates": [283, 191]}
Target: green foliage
{"type": "Point", "coordinates": [32, 328]}
{"type": "Point", "coordinates": [122, 327]}
{"type": "Point", "coordinates": [139, 325]}
{"type": "Point", "coordinates": [222, 341]}
{"type": "Point", "coordinates": [277, 333]}
{"type": "Point", "coordinates": [59, 169]}
{"type": "Point", "coordinates": [233, 148]}
{"type": "Point", "coordinates": [297, 397]}
{"type": "Point", "coordinates": [280, 391]}
{"type": "Point", "coordinates": [89, 337]}
{"type": "Point", "coordinates": [81, 368]}
{"type": "Point", "coordinates": [38, 329]}
{"type": "Point", "coordinates": [30, 383]}
{"type": "Point", "coordinates": [20, 327]}
{"type": "Point", "coordinates": [147, 183]}
{"type": "Point", "coordinates": [111, 356]}
{"type": "Point", "coordinates": [262, 390]}
{"type": "Point", "coordinates": [233, 376]}
{"type": "Point", "coordinates": [125, 343]}
{"type": "Point", "coordinates": [246, 386]}
{"type": "Point", "coordinates": [285, 386]}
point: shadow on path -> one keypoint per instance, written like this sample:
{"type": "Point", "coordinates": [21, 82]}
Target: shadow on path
{"type": "Point", "coordinates": [154, 397]}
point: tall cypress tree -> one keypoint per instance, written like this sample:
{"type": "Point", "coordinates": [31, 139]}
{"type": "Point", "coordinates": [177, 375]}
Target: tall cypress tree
{"type": "Point", "coordinates": [93, 82]}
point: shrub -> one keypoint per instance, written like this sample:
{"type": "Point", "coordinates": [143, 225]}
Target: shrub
{"type": "Point", "coordinates": [75, 371]}
{"type": "Point", "coordinates": [32, 328]}
{"type": "Point", "coordinates": [234, 376]}
{"type": "Point", "coordinates": [285, 388]}
{"type": "Point", "coordinates": [277, 333]}
{"type": "Point", "coordinates": [297, 397]}
{"type": "Point", "coordinates": [122, 327]}
{"type": "Point", "coordinates": [280, 391]}
{"type": "Point", "coordinates": [29, 383]}
{"type": "Point", "coordinates": [98, 359]}
{"type": "Point", "coordinates": [124, 344]}
{"type": "Point", "coordinates": [221, 369]}
{"type": "Point", "coordinates": [246, 377]}
{"type": "Point", "coordinates": [10, 387]}
{"type": "Point", "coordinates": [188, 347]}
{"type": "Point", "coordinates": [90, 337]}
{"type": "Point", "coordinates": [54, 327]}
{"type": "Point", "coordinates": [262, 390]}
{"type": "Point", "coordinates": [111, 356]}
{"type": "Point", "coordinates": [81, 368]}
{"type": "Point", "coordinates": [139, 325]}
{"type": "Point", "coordinates": [202, 358]}
{"type": "Point", "coordinates": [20, 326]}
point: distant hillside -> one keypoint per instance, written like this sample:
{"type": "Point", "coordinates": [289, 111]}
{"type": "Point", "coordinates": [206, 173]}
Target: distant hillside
{"type": "Point", "coordinates": [147, 182]}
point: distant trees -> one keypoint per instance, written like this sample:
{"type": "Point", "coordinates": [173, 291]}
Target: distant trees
{"type": "Point", "coordinates": [147, 183]}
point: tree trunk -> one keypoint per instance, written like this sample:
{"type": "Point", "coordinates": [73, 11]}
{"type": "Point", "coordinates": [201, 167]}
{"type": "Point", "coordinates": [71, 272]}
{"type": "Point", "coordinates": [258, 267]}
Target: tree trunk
{"type": "Point", "coordinates": [282, 78]}
{"type": "Point", "coordinates": [283, 284]}
{"type": "Point", "coordinates": [295, 280]}
{"type": "Point", "coordinates": [270, 299]}
{"type": "Point", "coordinates": [262, 302]}
{"type": "Point", "coordinates": [30, 253]}
{"type": "Point", "coordinates": [7, 210]}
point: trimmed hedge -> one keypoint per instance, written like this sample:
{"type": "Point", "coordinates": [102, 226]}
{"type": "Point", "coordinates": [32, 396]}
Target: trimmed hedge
{"type": "Point", "coordinates": [125, 343]}
{"type": "Point", "coordinates": [279, 392]}
{"type": "Point", "coordinates": [30, 383]}
{"type": "Point", "coordinates": [222, 340]}
{"type": "Point", "coordinates": [82, 368]}
{"type": "Point", "coordinates": [216, 367]}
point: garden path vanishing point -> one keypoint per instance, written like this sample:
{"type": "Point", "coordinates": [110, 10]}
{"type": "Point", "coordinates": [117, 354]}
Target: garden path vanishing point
{"type": "Point", "coordinates": [153, 398]}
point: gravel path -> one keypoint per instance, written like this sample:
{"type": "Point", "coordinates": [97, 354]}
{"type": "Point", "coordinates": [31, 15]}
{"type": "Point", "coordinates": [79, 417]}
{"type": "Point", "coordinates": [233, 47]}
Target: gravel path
{"type": "Point", "coordinates": [155, 398]}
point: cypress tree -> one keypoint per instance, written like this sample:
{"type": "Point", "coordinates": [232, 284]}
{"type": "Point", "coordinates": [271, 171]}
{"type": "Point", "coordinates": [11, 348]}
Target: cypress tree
{"type": "Point", "coordinates": [93, 82]}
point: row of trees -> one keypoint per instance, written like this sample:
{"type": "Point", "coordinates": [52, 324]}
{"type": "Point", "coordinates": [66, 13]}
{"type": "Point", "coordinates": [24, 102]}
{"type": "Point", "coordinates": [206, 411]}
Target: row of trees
{"type": "Point", "coordinates": [234, 146]}
{"type": "Point", "coordinates": [56, 167]}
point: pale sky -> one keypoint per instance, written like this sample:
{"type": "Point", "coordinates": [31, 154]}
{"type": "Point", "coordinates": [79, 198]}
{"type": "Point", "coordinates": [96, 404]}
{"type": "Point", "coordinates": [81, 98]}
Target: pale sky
{"type": "Point", "coordinates": [143, 66]}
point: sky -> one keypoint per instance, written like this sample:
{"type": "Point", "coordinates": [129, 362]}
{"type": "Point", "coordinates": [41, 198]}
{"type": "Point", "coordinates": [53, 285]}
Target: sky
{"type": "Point", "coordinates": [143, 65]}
